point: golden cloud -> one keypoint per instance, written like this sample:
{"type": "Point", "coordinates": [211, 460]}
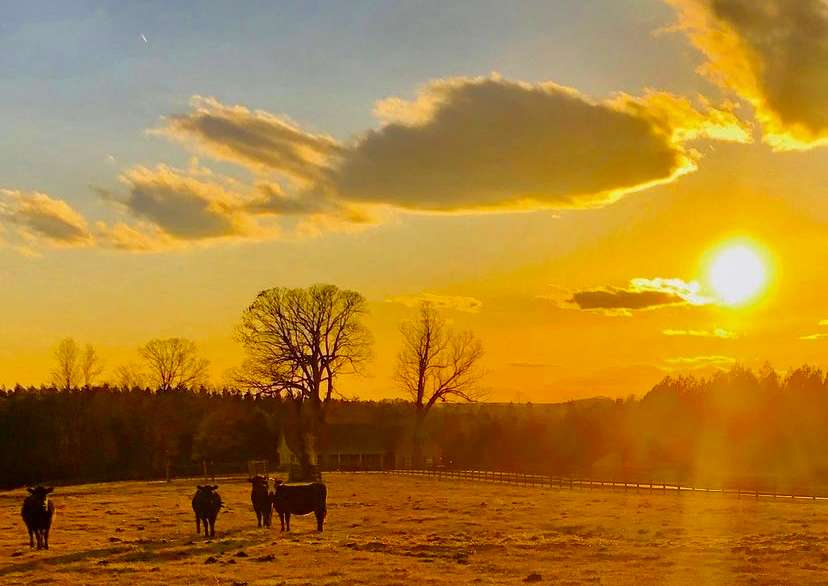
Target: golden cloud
{"type": "Point", "coordinates": [772, 53]}
{"type": "Point", "coordinates": [491, 144]}
{"type": "Point", "coordinates": [252, 138]}
{"type": "Point", "coordinates": [182, 206]}
{"type": "Point", "coordinates": [172, 208]}
{"type": "Point", "coordinates": [640, 294]}
{"type": "Point", "coordinates": [39, 218]}
{"type": "Point", "coordinates": [471, 144]}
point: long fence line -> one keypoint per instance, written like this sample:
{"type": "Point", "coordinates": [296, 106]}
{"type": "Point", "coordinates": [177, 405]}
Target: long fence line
{"type": "Point", "coordinates": [572, 483]}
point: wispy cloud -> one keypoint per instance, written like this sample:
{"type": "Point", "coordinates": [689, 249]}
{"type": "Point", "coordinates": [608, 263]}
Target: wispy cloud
{"type": "Point", "coordinates": [255, 139]}
{"type": "Point", "coordinates": [700, 361]}
{"type": "Point", "coordinates": [450, 302]}
{"type": "Point", "coordinates": [814, 337]}
{"type": "Point", "coordinates": [533, 365]}
{"type": "Point", "coordinates": [168, 208]}
{"type": "Point", "coordinates": [714, 333]}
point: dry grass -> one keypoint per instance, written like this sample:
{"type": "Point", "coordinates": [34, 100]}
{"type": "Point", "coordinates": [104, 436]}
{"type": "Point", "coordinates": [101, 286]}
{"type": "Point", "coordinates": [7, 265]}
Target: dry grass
{"type": "Point", "coordinates": [400, 530]}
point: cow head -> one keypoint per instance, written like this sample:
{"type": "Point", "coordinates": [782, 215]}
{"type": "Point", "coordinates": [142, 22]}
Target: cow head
{"type": "Point", "coordinates": [40, 494]}
{"type": "Point", "coordinates": [206, 488]}
{"type": "Point", "coordinates": [258, 479]}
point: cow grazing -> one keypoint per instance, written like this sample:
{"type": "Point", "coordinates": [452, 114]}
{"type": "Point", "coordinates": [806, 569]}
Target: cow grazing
{"type": "Point", "coordinates": [206, 506]}
{"type": "Point", "coordinates": [261, 499]}
{"type": "Point", "coordinates": [37, 513]}
{"type": "Point", "coordinates": [300, 499]}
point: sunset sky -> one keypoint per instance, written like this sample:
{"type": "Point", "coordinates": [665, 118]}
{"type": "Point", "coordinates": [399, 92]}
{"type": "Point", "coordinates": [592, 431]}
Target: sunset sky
{"type": "Point", "coordinates": [606, 192]}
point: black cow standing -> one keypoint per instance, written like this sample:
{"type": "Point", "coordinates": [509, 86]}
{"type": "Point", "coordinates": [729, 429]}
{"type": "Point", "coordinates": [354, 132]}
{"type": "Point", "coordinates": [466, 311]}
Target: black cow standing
{"type": "Point", "coordinates": [206, 505]}
{"type": "Point", "coordinates": [261, 499]}
{"type": "Point", "coordinates": [37, 513]}
{"type": "Point", "coordinates": [300, 499]}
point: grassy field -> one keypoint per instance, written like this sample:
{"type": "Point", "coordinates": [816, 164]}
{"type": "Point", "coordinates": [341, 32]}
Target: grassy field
{"type": "Point", "coordinates": [384, 529]}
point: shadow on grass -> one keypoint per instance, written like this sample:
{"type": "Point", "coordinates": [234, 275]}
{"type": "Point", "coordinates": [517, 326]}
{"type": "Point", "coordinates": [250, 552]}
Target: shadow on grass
{"type": "Point", "coordinates": [145, 551]}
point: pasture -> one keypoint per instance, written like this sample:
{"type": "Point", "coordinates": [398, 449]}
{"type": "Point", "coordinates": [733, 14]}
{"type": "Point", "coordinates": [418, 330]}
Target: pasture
{"type": "Point", "coordinates": [385, 529]}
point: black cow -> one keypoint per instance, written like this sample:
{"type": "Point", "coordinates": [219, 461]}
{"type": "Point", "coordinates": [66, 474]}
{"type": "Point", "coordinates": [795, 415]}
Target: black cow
{"type": "Point", "coordinates": [300, 499]}
{"type": "Point", "coordinates": [37, 513]}
{"type": "Point", "coordinates": [262, 502]}
{"type": "Point", "coordinates": [206, 505]}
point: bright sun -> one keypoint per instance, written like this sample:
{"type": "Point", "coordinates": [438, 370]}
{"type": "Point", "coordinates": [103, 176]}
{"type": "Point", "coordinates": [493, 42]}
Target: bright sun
{"type": "Point", "coordinates": [737, 274]}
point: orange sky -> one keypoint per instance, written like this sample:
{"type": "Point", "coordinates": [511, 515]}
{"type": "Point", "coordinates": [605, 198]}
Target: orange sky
{"type": "Point", "coordinates": [562, 215]}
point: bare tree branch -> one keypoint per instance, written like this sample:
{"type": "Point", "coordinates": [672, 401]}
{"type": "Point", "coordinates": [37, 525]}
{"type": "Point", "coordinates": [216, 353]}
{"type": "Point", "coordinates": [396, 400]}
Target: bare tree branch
{"type": "Point", "coordinates": [66, 373]}
{"type": "Point", "coordinates": [91, 366]}
{"type": "Point", "coordinates": [436, 363]}
{"type": "Point", "coordinates": [174, 363]}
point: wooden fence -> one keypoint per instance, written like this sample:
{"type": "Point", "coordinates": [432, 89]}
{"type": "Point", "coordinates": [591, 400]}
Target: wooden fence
{"type": "Point", "coordinates": [573, 483]}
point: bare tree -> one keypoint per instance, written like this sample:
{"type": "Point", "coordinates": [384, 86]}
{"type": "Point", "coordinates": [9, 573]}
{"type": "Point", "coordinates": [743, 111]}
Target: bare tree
{"type": "Point", "coordinates": [90, 365]}
{"type": "Point", "coordinates": [66, 373]}
{"type": "Point", "coordinates": [436, 364]}
{"type": "Point", "coordinates": [298, 341]}
{"type": "Point", "coordinates": [173, 363]}
{"type": "Point", "coordinates": [129, 376]}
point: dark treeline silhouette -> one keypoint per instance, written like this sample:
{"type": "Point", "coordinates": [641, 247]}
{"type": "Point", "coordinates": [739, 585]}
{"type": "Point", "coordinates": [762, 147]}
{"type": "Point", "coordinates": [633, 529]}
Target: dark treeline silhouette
{"type": "Point", "coordinates": [734, 428]}
{"type": "Point", "coordinates": [108, 434]}
{"type": "Point", "coordinates": [738, 427]}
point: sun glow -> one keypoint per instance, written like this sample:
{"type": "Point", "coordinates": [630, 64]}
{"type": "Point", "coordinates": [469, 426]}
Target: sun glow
{"type": "Point", "coordinates": [737, 274]}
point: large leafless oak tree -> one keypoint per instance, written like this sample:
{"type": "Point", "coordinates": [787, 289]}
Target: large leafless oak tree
{"type": "Point", "coordinates": [298, 342]}
{"type": "Point", "coordinates": [436, 364]}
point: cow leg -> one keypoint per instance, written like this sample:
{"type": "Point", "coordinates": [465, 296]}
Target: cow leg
{"type": "Point", "coordinates": [320, 518]}
{"type": "Point", "coordinates": [31, 537]}
{"type": "Point", "coordinates": [39, 537]}
{"type": "Point", "coordinates": [259, 518]}
{"type": "Point", "coordinates": [287, 521]}
{"type": "Point", "coordinates": [212, 526]}
{"type": "Point", "coordinates": [198, 524]}
{"type": "Point", "coordinates": [46, 538]}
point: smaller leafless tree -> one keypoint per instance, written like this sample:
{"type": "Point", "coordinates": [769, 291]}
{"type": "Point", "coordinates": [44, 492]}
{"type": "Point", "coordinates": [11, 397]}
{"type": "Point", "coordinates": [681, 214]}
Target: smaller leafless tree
{"type": "Point", "coordinates": [90, 365]}
{"type": "Point", "coordinates": [129, 376]}
{"type": "Point", "coordinates": [66, 372]}
{"type": "Point", "coordinates": [173, 363]}
{"type": "Point", "coordinates": [436, 364]}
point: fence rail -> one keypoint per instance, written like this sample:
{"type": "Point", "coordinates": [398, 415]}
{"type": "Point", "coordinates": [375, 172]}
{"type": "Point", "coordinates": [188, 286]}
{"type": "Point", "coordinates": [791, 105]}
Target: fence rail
{"type": "Point", "coordinates": [572, 483]}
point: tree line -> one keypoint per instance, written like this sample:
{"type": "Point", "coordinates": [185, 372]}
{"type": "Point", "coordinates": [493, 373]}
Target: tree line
{"type": "Point", "coordinates": [298, 343]}
{"type": "Point", "coordinates": [740, 426]}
